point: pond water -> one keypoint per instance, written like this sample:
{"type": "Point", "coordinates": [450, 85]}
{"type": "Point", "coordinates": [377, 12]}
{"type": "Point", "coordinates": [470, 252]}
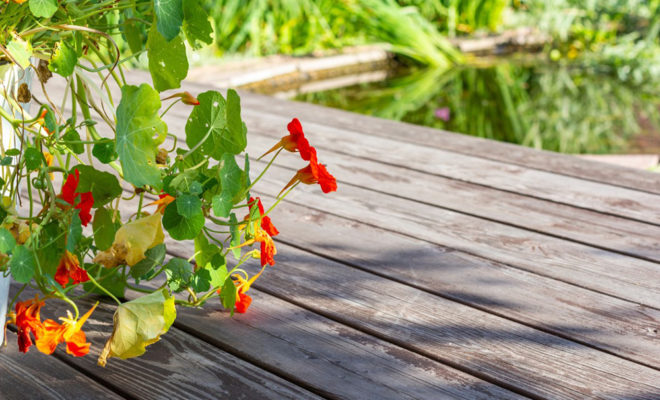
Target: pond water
{"type": "Point", "coordinates": [567, 108]}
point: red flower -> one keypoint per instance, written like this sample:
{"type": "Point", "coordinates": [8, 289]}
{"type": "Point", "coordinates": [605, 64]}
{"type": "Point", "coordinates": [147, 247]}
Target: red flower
{"type": "Point", "coordinates": [69, 195]}
{"type": "Point", "coordinates": [243, 302]}
{"type": "Point", "coordinates": [28, 321]}
{"type": "Point", "coordinates": [69, 267]}
{"type": "Point", "coordinates": [314, 173]}
{"type": "Point", "coordinates": [294, 141]}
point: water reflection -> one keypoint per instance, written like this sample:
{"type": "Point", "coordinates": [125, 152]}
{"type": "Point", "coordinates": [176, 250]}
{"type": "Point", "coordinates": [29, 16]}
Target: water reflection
{"type": "Point", "coordinates": [571, 109]}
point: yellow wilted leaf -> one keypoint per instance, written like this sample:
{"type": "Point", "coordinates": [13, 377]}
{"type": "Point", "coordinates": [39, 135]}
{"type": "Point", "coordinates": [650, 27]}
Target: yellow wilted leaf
{"type": "Point", "coordinates": [132, 240]}
{"type": "Point", "coordinates": [137, 324]}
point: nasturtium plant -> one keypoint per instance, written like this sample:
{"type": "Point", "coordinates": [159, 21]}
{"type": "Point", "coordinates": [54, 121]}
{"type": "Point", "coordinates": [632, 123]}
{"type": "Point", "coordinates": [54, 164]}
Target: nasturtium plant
{"type": "Point", "coordinates": [106, 189]}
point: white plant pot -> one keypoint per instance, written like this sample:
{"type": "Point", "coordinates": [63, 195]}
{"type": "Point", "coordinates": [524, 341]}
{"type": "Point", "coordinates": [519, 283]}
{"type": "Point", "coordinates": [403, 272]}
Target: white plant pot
{"type": "Point", "coordinates": [11, 78]}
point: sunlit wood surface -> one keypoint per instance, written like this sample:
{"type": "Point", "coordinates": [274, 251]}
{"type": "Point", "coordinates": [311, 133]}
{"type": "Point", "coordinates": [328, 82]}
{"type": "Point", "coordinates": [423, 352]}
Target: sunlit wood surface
{"type": "Point", "coordinates": [445, 266]}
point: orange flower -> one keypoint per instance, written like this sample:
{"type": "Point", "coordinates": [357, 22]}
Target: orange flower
{"type": "Point", "coordinates": [314, 173]}
{"type": "Point", "coordinates": [69, 267]}
{"type": "Point", "coordinates": [243, 300]}
{"type": "Point", "coordinates": [242, 303]}
{"type": "Point", "coordinates": [162, 202]}
{"type": "Point", "coordinates": [69, 331]}
{"type": "Point", "coordinates": [263, 234]}
{"type": "Point", "coordinates": [49, 161]}
{"type": "Point", "coordinates": [295, 141]}
{"type": "Point", "coordinates": [28, 320]}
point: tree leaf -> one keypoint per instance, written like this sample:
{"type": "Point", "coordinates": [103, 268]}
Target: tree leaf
{"type": "Point", "coordinates": [103, 185]}
{"type": "Point", "coordinates": [178, 272]}
{"type": "Point", "coordinates": [7, 241]}
{"type": "Point", "coordinates": [188, 206]}
{"type": "Point", "coordinates": [22, 264]}
{"type": "Point", "coordinates": [43, 8]}
{"type": "Point", "coordinates": [214, 121]}
{"type": "Point", "coordinates": [63, 60]}
{"type": "Point", "coordinates": [169, 17]}
{"type": "Point", "coordinates": [180, 227]}
{"type": "Point", "coordinates": [168, 63]}
{"type": "Point", "coordinates": [139, 323]}
{"type": "Point", "coordinates": [154, 257]}
{"type": "Point", "coordinates": [196, 24]}
{"type": "Point", "coordinates": [139, 131]}
{"type": "Point", "coordinates": [104, 228]}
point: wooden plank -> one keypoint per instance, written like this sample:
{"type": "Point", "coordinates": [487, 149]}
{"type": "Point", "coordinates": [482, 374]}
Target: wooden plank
{"type": "Point", "coordinates": [37, 376]}
{"type": "Point", "coordinates": [625, 329]}
{"type": "Point", "coordinates": [179, 366]}
{"type": "Point", "coordinates": [584, 266]}
{"type": "Point", "coordinates": [563, 164]}
{"type": "Point", "coordinates": [558, 220]}
{"type": "Point", "coordinates": [337, 361]}
{"type": "Point", "coordinates": [536, 363]}
{"type": "Point", "coordinates": [604, 198]}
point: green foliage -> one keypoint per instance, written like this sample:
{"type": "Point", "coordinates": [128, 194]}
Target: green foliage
{"type": "Point", "coordinates": [168, 62]}
{"type": "Point", "coordinates": [169, 17]}
{"type": "Point", "coordinates": [22, 264]}
{"type": "Point", "coordinates": [139, 131]}
{"type": "Point", "coordinates": [180, 227]}
{"type": "Point", "coordinates": [215, 127]}
{"type": "Point", "coordinates": [43, 8]}
{"type": "Point", "coordinates": [154, 257]}
{"type": "Point", "coordinates": [64, 59]}
{"type": "Point", "coordinates": [104, 228]}
{"type": "Point", "coordinates": [103, 185]}
{"type": "Point", "coordinates": [139, 323]}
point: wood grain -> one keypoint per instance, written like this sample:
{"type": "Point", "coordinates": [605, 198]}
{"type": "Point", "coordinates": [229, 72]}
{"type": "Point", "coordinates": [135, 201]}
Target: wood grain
{"type": "Point", "coordinates": [623, 328]}
{"type": "Point", "coordinates": [179, 366]}
{"type": "Point", "coordinates": [584, 226]}
{"type": "Point", "coordinates": [584, 266]}
{"type": "Point", "coordinates": [505, 352]}
{"type": "Point", "coordinates": [641, 206]}
{"type": "Point", "coordinates": [36, 376]}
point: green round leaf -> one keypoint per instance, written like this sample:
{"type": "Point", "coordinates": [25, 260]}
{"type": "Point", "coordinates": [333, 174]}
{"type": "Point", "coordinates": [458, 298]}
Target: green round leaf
{"type": "Point", "coordinates": [188, 205]}
{"type": "Point", "coordinates": [43, 8]}
{"type": "Point", "coordinates": [169, 17]}
{"type": "Point", "coordinates": [138, 124]}
{"type": "Point", "coordinates": [103, 185]}
{"type": "Point", "coordinates": [168, 62]}
{"type": "Point", "coordinates": [218, 124]}
{"type": "Point", "coordinates": [33, 158]}
{"type": "Point", "coordinates": [105, 151]}
{"type": "Point", "coordinates": [7, 241]}
{"type": "Point", "coordinates": [22, 264]}
{"type": "Point", "coordinates": [179, 227]}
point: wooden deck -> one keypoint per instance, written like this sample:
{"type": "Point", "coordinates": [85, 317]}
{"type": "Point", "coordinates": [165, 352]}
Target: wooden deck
{"type": "Point", "coordinates": [444, 266]}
